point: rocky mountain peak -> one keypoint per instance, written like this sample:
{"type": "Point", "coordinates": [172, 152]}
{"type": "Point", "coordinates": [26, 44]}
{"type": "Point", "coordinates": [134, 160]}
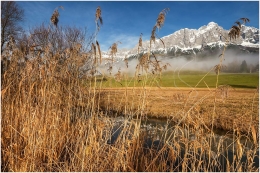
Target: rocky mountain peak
{"type": "Point", "coordinates": [210, 34]}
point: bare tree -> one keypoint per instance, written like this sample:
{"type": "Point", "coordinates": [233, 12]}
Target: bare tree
{"type": "Point", "coordinates": [11, 15]}
{"type": "Point", "coordinates": [57, 39]}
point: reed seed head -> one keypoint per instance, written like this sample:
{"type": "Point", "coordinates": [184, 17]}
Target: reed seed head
{"type": "Point", "coordinates": [153, 34]}
{"type": "Point", "coordinates": [114, 48]}
{"type": "Point", "coordinates": [218, 68]}
{"type": "Point", "coordinates": [234, 33]}
{"type": "Point", "coordinates": [98, 15]}
{"type": "Point", "coordinates": [245, 20]}
{"type": "Point", "coordinates": [159, 23]}
{"type": "Point", "coordinates": [161, 18]}
{"type": "Point", "coordinates": [140, 40]}
{"type": "Point", "coordinates": [55, 18]}
{"type": "Point", "coordinates": [118, 76]}
{"type": "Point", "coordinates": [235, 30]}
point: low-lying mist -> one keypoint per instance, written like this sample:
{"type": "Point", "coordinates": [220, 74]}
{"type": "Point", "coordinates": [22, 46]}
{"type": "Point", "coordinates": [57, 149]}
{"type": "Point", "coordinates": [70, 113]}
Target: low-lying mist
{"type": "Point", "coordinates": [182, 63]}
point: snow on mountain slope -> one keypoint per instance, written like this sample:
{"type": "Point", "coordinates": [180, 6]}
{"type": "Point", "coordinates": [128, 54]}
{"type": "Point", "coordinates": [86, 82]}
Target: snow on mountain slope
{"type": "Point", "coordinates": [186, 40]}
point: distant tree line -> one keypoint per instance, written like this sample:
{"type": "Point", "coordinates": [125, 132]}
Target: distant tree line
{"type": "Point", "coordinates": [241, 67]}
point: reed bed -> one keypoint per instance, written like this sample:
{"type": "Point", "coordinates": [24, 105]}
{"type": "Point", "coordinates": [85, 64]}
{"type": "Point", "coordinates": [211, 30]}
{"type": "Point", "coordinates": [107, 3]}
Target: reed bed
{"type": "Point", "coordinates": [57, 117]}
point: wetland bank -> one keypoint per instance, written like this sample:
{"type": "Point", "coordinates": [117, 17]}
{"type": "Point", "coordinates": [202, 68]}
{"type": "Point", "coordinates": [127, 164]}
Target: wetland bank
{"type": "Point", "coordinates": [237, 108]}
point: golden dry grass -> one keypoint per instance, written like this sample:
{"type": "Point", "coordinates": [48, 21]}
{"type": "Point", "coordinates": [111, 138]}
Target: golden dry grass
{"type": "Point", "coordinates": [52, 121]}
{"type": "Point", "coordinates": [238, 110]}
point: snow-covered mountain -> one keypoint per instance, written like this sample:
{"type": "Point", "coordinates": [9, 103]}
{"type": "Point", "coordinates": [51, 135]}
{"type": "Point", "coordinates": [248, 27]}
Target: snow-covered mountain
{"type": "Point", "coordinates": [193, 41]}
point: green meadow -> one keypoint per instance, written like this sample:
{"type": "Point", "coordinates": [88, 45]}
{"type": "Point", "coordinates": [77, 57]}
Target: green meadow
{"type": "Point", "coordinates": [196, 79]}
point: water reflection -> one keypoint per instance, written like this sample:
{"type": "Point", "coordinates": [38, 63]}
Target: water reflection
{"type": "Point", "coordinates": [223, 144]}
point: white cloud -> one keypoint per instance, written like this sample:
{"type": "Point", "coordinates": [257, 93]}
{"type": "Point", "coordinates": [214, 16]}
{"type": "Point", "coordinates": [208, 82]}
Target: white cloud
{"type": "Point", "coordinates": [127, 41]}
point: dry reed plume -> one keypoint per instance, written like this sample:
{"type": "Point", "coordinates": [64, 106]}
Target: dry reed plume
{"type": "Point", "coordinates": [161, 18]}
{"type": "Point", "coordinates": [235, 30]}
{"type": "Point", "coordinates": [144, 60]}
{"type": "Point", "coordinates": [140, 43]}
{"type": "Point", "coordinates": [159, 23]}
{"type": "Point", "coordinates": [98, 16]}
{"type": "Point", "coordinates": [55, 16]}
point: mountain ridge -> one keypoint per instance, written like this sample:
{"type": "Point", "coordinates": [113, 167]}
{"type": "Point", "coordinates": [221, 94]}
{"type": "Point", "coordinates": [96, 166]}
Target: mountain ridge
{"type": "Point", "coordinates": [192, 40]}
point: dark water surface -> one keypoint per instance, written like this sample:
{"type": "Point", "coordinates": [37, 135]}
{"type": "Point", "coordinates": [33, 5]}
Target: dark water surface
{"type": "Point", "coordinates": [159, 132]}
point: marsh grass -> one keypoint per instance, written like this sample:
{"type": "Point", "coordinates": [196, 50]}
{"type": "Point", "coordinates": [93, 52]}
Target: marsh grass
{"type": "Point", "coordinates": [54, 118]}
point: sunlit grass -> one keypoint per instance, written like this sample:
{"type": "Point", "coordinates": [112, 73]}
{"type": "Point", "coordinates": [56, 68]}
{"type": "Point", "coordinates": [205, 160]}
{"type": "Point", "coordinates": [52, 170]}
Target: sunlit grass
{"type": "Point", "coordinates": [189, 79]}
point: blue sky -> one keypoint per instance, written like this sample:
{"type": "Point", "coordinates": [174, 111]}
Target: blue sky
{"type": "Point", "coordinates": [125, 20]}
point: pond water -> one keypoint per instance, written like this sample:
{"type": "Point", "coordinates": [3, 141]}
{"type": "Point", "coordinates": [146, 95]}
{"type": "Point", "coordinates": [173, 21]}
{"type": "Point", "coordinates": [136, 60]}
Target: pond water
{"type": "Point", "coordinates": [158, 132]}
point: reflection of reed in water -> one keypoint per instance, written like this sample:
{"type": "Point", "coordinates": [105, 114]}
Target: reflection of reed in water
{"type": "Point", "coordinates": [181, 150]}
